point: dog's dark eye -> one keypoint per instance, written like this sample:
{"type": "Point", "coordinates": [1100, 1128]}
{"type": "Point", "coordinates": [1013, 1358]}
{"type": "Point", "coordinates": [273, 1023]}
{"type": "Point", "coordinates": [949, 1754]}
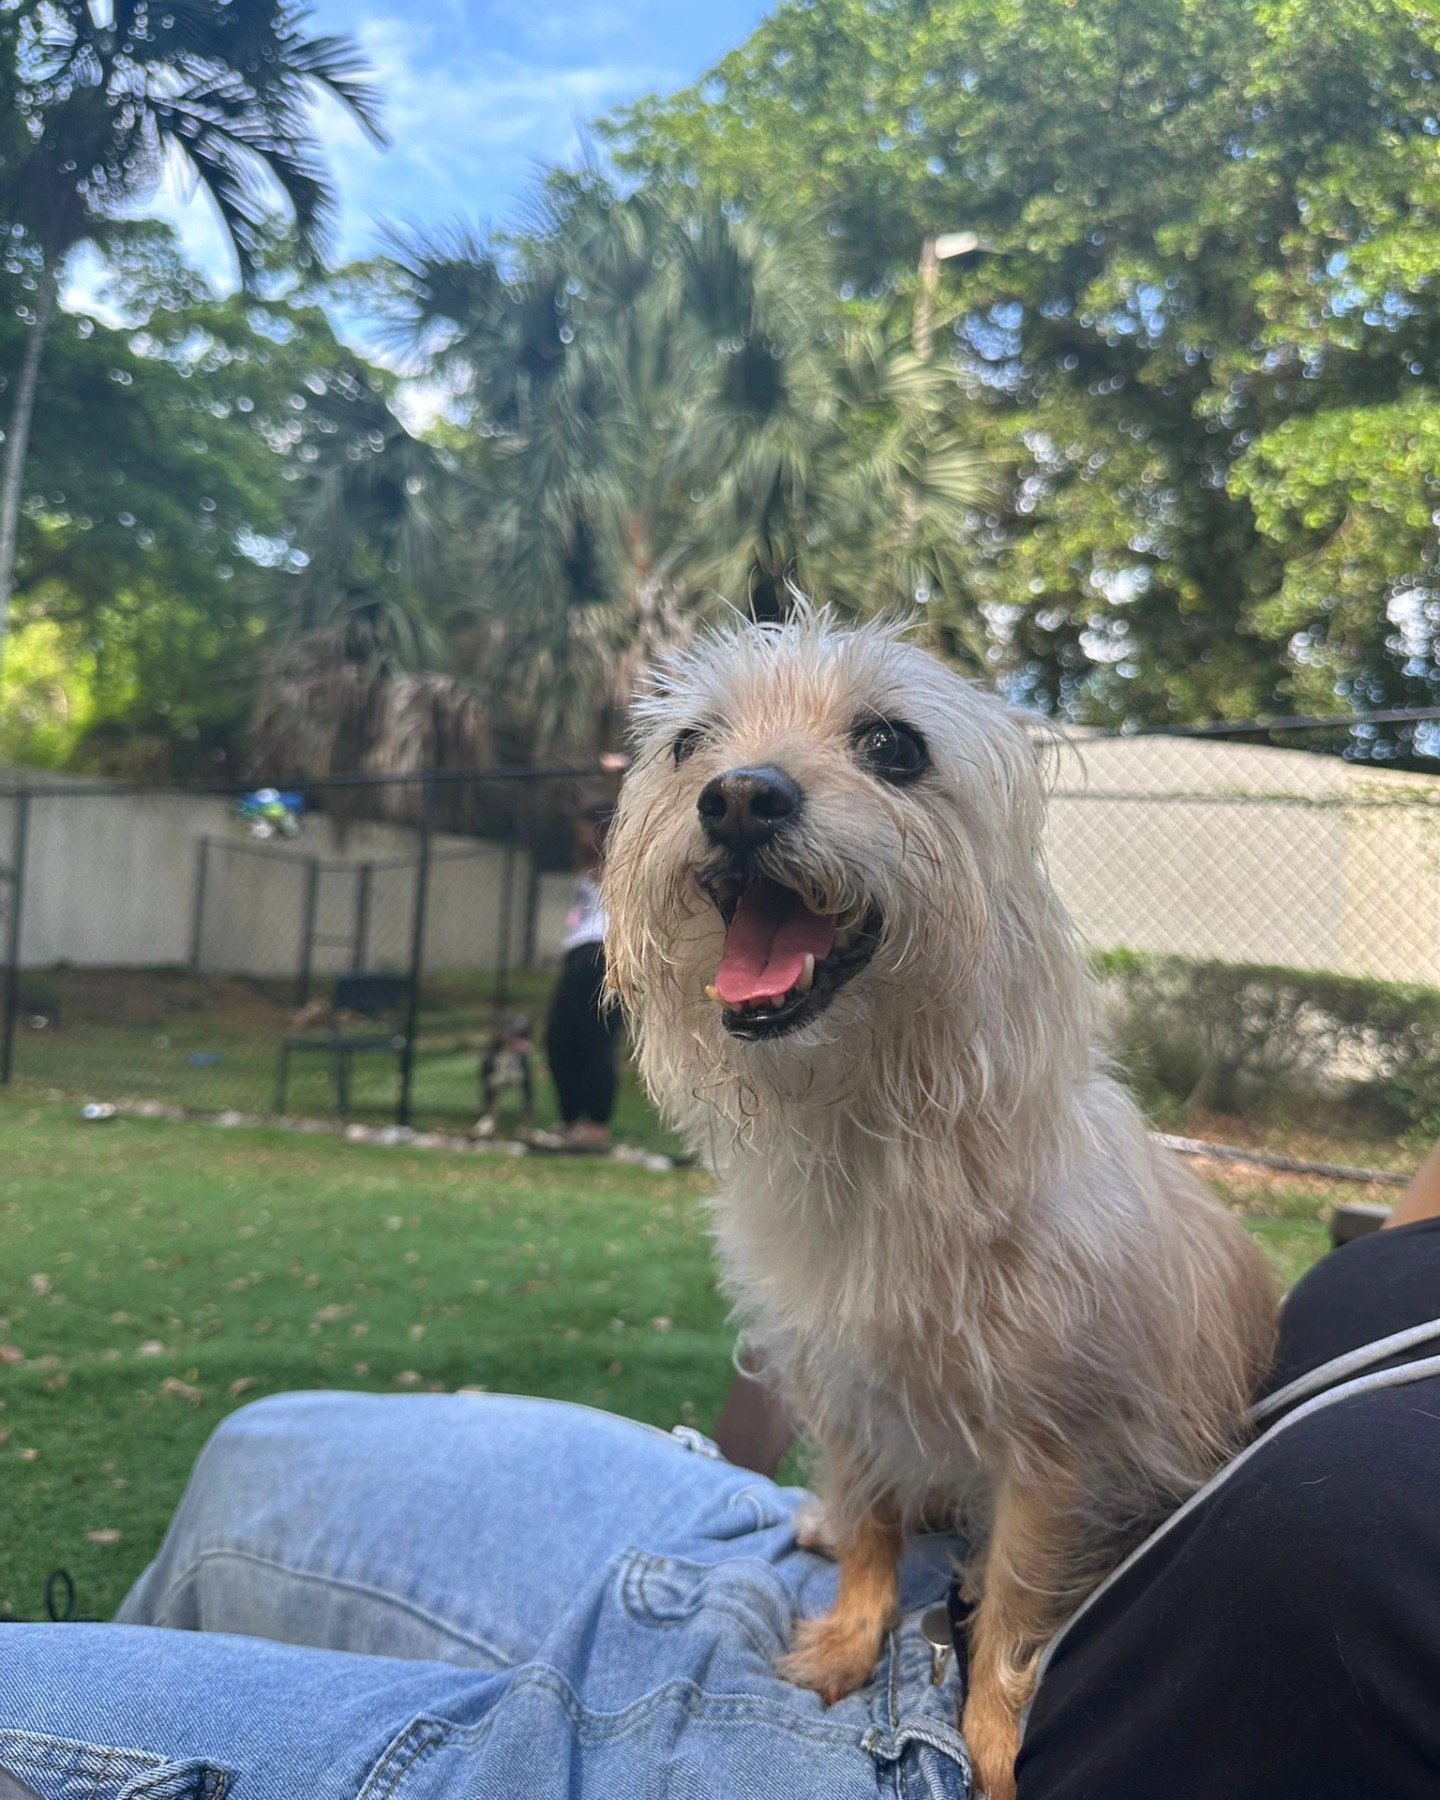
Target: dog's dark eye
{"type": "Point", "coordinates": [686, 743]}
{"type": "Point", "coordinates": [893, 752]}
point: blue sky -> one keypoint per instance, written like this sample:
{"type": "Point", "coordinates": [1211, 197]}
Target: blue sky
{"type": "Point", "coordinates": [478, 92]}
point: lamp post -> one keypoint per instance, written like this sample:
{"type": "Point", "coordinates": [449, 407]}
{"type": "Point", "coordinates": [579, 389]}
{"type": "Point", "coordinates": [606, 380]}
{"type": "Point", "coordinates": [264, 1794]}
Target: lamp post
{"type": "Point", "coordinates": [938, 247]}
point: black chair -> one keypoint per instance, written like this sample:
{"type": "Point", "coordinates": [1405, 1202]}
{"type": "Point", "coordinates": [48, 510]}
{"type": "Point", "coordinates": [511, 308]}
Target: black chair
{"type": "Point", "coordinates": [374, 996]}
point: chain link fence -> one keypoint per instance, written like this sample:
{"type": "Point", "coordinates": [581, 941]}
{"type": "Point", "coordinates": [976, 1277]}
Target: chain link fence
{"type": "Point", "coordinates": [1265, 920]}
{"type": "Point", "coordinates": [154, 948]}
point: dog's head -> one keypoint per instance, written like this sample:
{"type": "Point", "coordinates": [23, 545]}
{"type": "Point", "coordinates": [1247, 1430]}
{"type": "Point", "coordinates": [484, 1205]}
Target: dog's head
{"type": "Point", "coordinates": [824, 832]}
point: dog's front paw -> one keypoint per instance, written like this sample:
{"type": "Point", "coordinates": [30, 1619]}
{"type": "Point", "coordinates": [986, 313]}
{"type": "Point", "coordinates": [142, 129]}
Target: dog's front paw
{"type": "Point", "coordinates": [991, 1734]}
{"type": "Point", "coordinates": [831, 1655]}
{"type": "Point", "coordinates": [813, 1532]}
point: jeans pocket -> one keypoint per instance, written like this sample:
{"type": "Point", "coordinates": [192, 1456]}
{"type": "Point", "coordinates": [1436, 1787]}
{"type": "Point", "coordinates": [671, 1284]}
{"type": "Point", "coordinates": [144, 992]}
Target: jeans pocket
{"type": "Point", "coordinates": [742, 1601]}
{"type": "Point", "coordinates": [36, 1767]}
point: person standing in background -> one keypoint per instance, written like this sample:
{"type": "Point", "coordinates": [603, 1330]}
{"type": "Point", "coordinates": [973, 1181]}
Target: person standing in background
{"type": "Point", "coordinates": [581, 1031]}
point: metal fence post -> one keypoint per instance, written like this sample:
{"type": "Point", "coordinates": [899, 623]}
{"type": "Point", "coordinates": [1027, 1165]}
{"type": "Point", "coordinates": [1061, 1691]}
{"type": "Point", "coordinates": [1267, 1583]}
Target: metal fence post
{"type": "Point", "coordinates": [19, 849]}
{"type": "Point", "coordinates": [532, 910]}
{"type": "Point", "coordinates": [363, 878]}
{"type": "Point", "coordinates": [197, 918]}
{"type": "Point", "coordinates": [417, 966]}
{"type": "Point", "coordinates": [307, 931]}
{"type": "Point", "coordinates": [502, 971]}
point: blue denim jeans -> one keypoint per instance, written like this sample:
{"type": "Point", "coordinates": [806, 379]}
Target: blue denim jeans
{"type": "Point", "coordinates": [453, 1597]}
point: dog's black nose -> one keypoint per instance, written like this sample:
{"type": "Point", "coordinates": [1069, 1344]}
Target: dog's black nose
{"type": "Point", "coordinates": [743, 807]}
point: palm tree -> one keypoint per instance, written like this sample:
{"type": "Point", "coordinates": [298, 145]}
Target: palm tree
{"type": "Point", "coordinates": [359, 681]}
{"type": "Point", "coordinates": [852, 477]}
{"type": "Point", "coordinates": [674, 408]}
{"type": "Point", "coordinates": [108, 98]}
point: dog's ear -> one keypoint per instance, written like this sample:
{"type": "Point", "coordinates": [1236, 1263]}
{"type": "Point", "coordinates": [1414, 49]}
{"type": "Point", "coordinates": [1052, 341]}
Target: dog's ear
{"type": "Point", "coordinates": [621, 987]}
{"type": "Point", "coordinates": [616, 877]}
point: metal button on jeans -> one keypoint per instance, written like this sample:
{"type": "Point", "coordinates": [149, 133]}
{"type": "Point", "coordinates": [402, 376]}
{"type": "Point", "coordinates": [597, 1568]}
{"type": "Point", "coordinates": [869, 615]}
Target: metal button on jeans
{"type": "Point", "coordinates": [935, 1629]}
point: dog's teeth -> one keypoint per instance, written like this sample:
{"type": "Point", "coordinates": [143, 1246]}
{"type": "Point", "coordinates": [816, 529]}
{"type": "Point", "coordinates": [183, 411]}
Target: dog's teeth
{"type": "Point", "coordinates": [713, 993]}
{"type": "Point", "coordinates": [807, 974]}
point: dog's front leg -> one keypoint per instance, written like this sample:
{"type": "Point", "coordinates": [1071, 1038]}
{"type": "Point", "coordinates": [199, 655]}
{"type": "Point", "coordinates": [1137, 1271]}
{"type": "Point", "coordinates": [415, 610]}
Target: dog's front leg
{"type": "Point", "coordinates": [1023, 1601]}
{"type": "Point", "coordinates": [837, 1654]}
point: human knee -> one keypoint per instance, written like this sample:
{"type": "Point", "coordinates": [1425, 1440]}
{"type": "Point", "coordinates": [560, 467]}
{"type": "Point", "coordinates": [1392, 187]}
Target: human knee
{"type": "Point", "coordinates": [250, 1452]}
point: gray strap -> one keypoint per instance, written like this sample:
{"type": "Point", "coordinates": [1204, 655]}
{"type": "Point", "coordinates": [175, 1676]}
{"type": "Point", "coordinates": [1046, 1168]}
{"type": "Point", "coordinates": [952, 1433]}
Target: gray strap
{"type": "Point", "coordinates": [1361, 1384]}
{"type": "Point", "coordinates": [1341, 1368]}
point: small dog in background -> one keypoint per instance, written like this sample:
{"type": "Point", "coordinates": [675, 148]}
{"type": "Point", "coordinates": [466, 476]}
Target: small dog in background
{"type": "Point", "coordinates": [508, 1063]}
{"type": "Point", "coordinates": [985, 1292]}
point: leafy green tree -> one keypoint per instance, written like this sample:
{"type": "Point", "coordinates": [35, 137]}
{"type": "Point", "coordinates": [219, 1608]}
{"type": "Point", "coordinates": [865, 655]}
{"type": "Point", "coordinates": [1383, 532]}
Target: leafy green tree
{"type": "Point", "coordinates": [1202, 316]}
{"type": "Point", "coordinates": [106, 97]}
{"type": "Point", "coordinates": [360, 674]}
{"type": "Point", "coordinates": [157, 544]}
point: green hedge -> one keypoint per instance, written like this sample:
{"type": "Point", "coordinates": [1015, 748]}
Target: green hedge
{"type": "Point", "coordinates": [1244, 1037]}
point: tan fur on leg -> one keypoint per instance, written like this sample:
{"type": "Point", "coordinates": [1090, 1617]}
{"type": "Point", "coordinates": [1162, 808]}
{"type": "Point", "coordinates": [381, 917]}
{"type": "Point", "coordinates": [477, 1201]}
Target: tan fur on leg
{"type": "Point", "coordinates": [837, 1654]}
{"type": "Point", "coordinates": [1030, 1583]}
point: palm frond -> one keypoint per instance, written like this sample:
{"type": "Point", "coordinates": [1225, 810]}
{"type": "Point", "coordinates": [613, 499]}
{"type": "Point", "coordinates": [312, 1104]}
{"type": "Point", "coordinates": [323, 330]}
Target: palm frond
{"type": "Point", "coordinates": [225, 85]}
{"type": "Point", "coordinates": [673, 413]}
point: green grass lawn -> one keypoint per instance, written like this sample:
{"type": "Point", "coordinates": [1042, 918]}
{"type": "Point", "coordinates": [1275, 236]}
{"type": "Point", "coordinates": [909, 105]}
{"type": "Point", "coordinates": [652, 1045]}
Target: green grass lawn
{"type": "Point", "coordinates": [157, 1275]}
{"type": "Point", "coordinates": [150, 1268]}
{"type": "Point", "coordinates": [211, 1044]}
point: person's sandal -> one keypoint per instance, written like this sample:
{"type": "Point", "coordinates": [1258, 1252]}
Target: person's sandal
{"type": "Point", "coordinates": [588, 1137]}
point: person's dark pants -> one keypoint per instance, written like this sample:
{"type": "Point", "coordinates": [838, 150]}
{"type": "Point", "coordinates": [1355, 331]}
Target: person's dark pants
{"type": "Point", "coordinates": [580, 1038]}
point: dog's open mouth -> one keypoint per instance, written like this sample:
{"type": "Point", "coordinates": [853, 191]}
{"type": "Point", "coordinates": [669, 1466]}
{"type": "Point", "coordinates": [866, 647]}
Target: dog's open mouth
{"type": "Point", "coordinates": [782, 963]}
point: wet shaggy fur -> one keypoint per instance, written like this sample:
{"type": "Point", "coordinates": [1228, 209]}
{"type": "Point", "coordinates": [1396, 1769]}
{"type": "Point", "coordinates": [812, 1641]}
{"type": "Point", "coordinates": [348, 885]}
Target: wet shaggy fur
{"type": "Point", "coordinates": [986, 1293]}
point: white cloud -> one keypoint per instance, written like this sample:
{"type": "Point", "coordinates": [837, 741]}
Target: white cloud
{"type": "Point", "coordinates": [469, 123]}
{"type": "Point", "coordinates": [421, 404]}
{"type": "Point", "coordinates": [85, 282]}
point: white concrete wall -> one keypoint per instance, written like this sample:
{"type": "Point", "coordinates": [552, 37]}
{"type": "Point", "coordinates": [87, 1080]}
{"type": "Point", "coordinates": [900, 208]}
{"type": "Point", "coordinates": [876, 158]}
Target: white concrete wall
{"type": "Point", "coordinates": [1248, 854]}
{"type": "Point", "coordinates": [1391, 891]}
{"type": "Point", "coordinates": [1240, 853]}
{"type": "Point", "coordinates": [110, 882]}
{"type": "Point", "coordinates": [255, 900]}
{"type": "Point", "coordinates": [466, 914]}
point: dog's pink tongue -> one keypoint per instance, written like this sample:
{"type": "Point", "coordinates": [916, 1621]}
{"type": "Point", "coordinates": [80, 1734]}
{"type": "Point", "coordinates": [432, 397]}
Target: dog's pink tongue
{"type": "Point", "coordinates": [766, 945]}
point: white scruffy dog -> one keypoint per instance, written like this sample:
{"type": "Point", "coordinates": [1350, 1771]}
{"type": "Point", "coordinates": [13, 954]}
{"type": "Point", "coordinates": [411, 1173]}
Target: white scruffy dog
{"type": "Point", "coordinates": [986, 1293]}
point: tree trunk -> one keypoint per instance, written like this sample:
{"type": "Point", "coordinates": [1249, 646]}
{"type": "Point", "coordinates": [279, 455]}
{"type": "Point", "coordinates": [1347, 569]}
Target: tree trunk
{"type": "Point", "coordinates": [17, 442]}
